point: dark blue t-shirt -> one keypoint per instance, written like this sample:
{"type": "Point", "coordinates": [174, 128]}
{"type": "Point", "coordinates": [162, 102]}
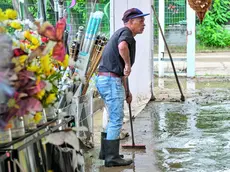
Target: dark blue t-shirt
{"type": "Point", "coordinates": [111, 61]}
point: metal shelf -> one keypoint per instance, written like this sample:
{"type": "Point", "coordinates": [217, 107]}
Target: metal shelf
{"type": "Point", "coordinates": [6, 151]}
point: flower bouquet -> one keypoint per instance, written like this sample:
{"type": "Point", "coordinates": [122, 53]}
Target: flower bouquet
{"type": "Point", "coordinates": [33, 66]}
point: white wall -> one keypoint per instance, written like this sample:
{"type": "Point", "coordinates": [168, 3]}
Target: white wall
{"type": "Point", "coordinates": [142, 72]}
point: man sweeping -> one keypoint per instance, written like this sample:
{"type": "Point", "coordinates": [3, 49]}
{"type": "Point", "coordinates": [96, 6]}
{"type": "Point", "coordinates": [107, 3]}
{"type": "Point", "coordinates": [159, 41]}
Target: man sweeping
{"type": "Point", "coordinates": [115, 66]}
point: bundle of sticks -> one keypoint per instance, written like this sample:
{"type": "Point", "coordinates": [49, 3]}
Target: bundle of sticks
{"type": "Point", "coordinates": [201, 7]}
{"type": "Point", "coordinates": [77, 43]}
{"type": "Point", "coordinates": [94, 60]}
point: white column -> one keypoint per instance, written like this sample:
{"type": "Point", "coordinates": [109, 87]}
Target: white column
{"type": "Point", "coordinates": [151, 55]}
{"type": "Point", "coordinates": [161, 45]}
{"type": "Point", "coordinates": [191, 41]}
{"type": "Point", "coordinates": [141, 75]}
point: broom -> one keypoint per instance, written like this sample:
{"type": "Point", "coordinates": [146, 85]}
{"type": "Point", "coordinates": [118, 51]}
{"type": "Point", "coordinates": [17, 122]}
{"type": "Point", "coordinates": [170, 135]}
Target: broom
{"type": "Point", "coordinates": [133, 145]}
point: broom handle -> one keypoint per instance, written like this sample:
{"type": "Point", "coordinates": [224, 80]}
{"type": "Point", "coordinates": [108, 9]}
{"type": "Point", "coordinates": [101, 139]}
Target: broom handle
{"type": "Point", "coordinates": [130, 112]}
{"type": "Point", "coordinates": [166, 45]}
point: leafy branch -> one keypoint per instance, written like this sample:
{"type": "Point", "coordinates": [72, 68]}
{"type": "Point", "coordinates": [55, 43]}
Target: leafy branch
{"type": "Point", "coordinates": [212, 31]}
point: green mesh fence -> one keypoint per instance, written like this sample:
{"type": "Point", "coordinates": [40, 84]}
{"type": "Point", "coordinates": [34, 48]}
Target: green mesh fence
{"type": "Point", "coordinates": [77, 16]}
{"type": "Point", "coordinates": [175, 25]}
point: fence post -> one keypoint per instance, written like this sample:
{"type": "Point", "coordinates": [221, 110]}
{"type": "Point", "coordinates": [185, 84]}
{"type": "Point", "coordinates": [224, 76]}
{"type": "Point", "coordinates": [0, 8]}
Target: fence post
{"type": "Point", "coordinates": [191, 41]}
{"type": "Point", "coordinates": [112, 20]}
{"type": "Point", "coordinates": [21, 9]}
{"type": "Point", "coordinates": [161, 46]}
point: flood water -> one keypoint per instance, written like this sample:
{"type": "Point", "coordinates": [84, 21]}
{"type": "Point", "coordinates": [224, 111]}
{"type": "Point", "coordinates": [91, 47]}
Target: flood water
{"type": "Point", "coordinates": [193, 135]}
{"type": "Point", "coordinates": [189, 136]}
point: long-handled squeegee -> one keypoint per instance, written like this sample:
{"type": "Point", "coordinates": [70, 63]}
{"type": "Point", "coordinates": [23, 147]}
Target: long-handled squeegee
{"type": "Point", "coordinates": [133, 145]}
{"type": "Point", "coordinates": [166, 45]}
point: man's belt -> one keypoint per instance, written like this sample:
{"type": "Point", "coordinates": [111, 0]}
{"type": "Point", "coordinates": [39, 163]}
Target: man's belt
{"type": "Point", "coordinates": [108, 74]}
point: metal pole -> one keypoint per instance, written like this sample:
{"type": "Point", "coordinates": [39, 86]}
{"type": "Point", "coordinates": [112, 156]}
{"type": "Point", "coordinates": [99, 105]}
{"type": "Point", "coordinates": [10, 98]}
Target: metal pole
{"type": "Point", "coordinates": [161, 47]}
{"type": "Point", "coordinates": [21, 8]}
{"type": "Point", "coordinates": [166, 45]}
{"type": "Point", "coordinates": [112, 18]}
{"type": "Point", "coordinates": [43, 10]}
{"type": "Point", "coordinates": [56, 10]}
{"type": "Point", "coordinates": [151, 62]}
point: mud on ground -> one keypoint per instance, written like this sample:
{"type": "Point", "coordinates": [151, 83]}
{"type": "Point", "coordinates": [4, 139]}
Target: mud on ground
{"type": "Point", "coordinates": [179, 136]}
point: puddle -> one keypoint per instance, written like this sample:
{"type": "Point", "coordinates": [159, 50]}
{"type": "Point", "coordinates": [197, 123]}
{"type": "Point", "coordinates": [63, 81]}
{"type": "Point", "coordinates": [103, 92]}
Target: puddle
{"type": "Point", "coordinates": [193, 135]}
{"type": "Point", "coordinates": [179, 136]}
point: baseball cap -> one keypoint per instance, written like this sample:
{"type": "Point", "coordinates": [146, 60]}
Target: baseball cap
{"type": "Point", "coordinates": [133, 13]}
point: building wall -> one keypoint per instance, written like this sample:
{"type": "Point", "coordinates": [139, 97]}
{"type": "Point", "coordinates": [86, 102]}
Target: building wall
{"type": "Point", "coordinates": [141, 75]}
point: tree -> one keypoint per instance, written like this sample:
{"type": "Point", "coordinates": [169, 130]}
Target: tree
{"type": "Point", "coordinates": [212, 31]}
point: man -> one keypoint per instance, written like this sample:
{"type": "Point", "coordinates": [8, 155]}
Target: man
{"type": "Point", "coordinates": [115, 66]}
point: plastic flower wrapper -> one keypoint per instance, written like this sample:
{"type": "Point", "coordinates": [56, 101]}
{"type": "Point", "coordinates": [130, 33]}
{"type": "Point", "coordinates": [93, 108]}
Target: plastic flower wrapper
{"type": "Point", "coordinates": [6, 54]}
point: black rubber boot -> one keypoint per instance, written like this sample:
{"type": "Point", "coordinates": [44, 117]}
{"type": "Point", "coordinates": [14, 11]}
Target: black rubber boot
{"type": "Point", "coordinates": [112, 157]}
{"type": "Point", "coordinates": [102, 151]}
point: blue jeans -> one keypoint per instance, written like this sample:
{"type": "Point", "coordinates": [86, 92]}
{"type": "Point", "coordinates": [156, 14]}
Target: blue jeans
{"type": "Point", "coordinates": [112, 92]}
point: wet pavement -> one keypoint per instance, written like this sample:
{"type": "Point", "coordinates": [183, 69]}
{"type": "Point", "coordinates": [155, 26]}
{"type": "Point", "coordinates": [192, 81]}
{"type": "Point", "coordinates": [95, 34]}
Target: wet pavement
{"type": "Point", "coordinates": [179, 136]}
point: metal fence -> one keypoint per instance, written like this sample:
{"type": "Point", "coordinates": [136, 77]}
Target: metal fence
{"type": "Point", "coordinates": [77, 16]}
{"type": "Point", "coordinates": [175, 25]}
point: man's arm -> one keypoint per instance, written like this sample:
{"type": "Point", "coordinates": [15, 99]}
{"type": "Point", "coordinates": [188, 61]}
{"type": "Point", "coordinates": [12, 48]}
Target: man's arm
{"type": "Point", "coordinates": [128, 94]}
{"type": "Point", "coordinates": [124, 52]}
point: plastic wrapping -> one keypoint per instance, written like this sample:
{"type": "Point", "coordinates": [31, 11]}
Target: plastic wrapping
{"type": "Point", "coordinates": [63, 159]}
{"type": "Point", "coordinates": [63, 152]}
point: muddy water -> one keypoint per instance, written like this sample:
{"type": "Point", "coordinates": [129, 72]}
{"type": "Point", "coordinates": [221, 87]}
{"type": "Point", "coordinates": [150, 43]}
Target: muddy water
{"type": "Point", "coordinates": [193, 135]}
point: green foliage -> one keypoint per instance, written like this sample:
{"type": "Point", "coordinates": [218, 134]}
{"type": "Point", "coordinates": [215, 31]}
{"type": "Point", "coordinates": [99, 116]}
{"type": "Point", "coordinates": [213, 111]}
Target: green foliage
{"type": "Point", "coordinates": [212, 32]}
{"type": "Point", "coordinates": [6, 4]}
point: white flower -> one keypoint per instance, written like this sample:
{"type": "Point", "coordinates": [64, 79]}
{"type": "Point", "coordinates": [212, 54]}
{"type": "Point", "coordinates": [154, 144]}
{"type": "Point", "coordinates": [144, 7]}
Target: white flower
{"type": "Point", "coordinates": [48, 86]}
{"type": "Point", "coordinates": [19, 34]}
{"type": "Point", "coordinates": [30, 24]}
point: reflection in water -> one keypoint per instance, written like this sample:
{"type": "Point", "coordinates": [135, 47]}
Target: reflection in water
{"type": "Point", "coordinates": [194, 135]}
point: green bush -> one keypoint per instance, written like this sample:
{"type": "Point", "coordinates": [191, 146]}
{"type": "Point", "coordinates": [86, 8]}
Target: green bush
{"type": "Point", "coordinates": [212, 32]}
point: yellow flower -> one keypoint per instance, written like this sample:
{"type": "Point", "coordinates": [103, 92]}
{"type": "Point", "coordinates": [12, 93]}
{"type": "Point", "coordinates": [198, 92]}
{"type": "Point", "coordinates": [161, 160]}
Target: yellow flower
{"type": "Point", "coordinates": [28, 46]}
{"type": "Point", "coordinates": [17, 64]}
{"type": "Point", "coordinates": [37, 117]}
{"type": "Point", "coordinates": [51, 98]}
{"type": "Point", "coordinates": [23, 47]}
{"type": "Point", "coordinates": [15, 25]}
{"type": "Point", "coordinates": [22, 59]}
{"type": "Point", "coordinates": [33, 47]}
{"type": "Point", "coordinates": [40, 94]}
{"type": "Point", "coordinates": [34, 68]}
{"type": "Point", "coordinates": [27, 35]}
{"type": "Point", "coordinates": [11, 14]}
{"type": "Point", "coordinates": [46, 65]}
{"type": "Point", "coordinates": [34, 40]}
{"type": "Point", "coordinates": [65, 63]}
{"type": "Point", "coordinates": [2, 16]}
{"type": "Point", "coordinates": [12, 103]}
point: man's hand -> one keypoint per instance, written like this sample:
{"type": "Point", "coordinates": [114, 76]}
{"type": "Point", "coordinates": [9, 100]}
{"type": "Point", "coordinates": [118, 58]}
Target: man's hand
{"type": "Point", "coordinates": [129, 98]}
{"type": "Point", "coordinates": [127, 70]}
